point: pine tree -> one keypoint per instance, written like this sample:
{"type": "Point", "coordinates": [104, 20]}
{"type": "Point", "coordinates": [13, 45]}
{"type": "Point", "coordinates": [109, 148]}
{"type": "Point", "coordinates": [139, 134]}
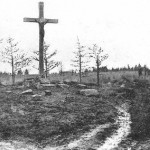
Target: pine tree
{"type": "Point", "coordinates": [96, 54]}
{"type": "Point", "coordinates": [79, 60]}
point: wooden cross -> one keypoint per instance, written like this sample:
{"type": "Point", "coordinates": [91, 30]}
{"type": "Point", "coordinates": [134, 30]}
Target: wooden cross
{"type": "Point", "coordinates": [41, 21]}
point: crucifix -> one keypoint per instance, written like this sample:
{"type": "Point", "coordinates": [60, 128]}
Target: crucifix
{"type": "Point", "coordinates": [41, 21]}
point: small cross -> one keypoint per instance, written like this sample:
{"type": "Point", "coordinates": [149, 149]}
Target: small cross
{"type": "Point", "coordinates": [41, 21]}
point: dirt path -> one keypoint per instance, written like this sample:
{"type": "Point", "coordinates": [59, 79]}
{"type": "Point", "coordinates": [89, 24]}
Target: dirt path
{"type": "Point", "coordinates": [87, 140]}
{"type": "Point", "coordinates": [123, 121]}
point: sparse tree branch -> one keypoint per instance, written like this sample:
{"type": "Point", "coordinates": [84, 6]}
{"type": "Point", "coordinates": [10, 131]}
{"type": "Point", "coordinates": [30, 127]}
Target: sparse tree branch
{"type": "Point", "coordinates": [48, 63]}
{"type": "Point", "coordinates": [96, 54]}
{"type": "Point", "coordinates": [14, 57]}
{"type": "Point", "coordinates": [79, 58]}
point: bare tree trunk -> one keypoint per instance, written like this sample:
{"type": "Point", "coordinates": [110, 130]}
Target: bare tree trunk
{"type": "Point", "coordinates": [13, 74]}
{"type": "Point", "coordinates": [46, 69]}
{"type": "Point", "coordinates": [72, 72]}
{"type": "Point", "coordinates": [80, 68]}
{"type": "Point", "coordinates": [97, 62]}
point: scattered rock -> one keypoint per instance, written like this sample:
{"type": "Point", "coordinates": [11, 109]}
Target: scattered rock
{"type": "Point", "coordinates": [122, 86]}
{"type": "Point", "coordinates": [63, 85]}
{"type": "Point", "coordinates": [36, 96]}
{"type": "Point", "coordinates": [48, 93]}
{"type": "Point", "coordinates": [27, 92]}
{"type": "Point", "coordinates": [89, 92]}
{"type": "Point", "coordinates": [81, 86]}
{"type": "Point", "coordinates": [66, 81]}
{"type": "Point", "coordinates": [48, 85]}
{"type": "Point", "coordinates": [55, 82]}
{"type": "Point", "coordinates": [8, 92]}
{"type": "Point", "coordinates": [109, 84]}
{"type": "Point", "coordinates": [44, 81]}
{"type": "Point", "coordinates": [30, 83]}
{"type": "Point", "coordinates": [35, 82]}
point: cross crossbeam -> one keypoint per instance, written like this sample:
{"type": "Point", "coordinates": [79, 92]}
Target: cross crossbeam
{"type": "Point", "coordinates": [41, 21]}
{"type": "Point", "coordinates": [37, 20]}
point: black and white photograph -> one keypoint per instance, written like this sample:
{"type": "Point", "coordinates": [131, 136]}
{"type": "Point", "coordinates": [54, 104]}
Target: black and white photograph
{"type": "Point", "coordinates": [74, 75]}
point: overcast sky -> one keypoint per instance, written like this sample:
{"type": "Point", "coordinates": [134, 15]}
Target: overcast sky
{"type": "Point", "coordinates": [120, 27]}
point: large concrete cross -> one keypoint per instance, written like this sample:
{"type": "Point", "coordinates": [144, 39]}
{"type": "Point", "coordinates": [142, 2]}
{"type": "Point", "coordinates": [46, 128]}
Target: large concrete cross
{"type": "Point", "coordinates": [41, 21]}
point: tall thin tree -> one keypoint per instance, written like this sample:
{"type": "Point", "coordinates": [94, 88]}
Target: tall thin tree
{"type": "Point", "coordinates": [15, 57]}
{"type": "Point", "coordinates": [79, 60]}
{"type": "Point", "coordinates": [96, 54]}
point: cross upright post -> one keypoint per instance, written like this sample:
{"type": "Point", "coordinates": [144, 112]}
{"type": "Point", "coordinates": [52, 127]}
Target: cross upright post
{"type": "Point", "coordinates": [41, 21]}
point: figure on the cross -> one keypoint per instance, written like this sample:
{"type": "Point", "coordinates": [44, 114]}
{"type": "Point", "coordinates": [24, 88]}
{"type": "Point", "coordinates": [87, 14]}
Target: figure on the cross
{"type": "Point", "coordinates": [42, 32]}
{"type": "Point", "coordinates": [42, 21]}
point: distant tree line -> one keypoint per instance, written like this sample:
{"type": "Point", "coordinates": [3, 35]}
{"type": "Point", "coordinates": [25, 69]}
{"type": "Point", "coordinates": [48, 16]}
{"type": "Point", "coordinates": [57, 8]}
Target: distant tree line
{"type": "Point", "coordinates": [4, 73]}
{"type": "Point", "coordinates": [101, 69]}
{"type": "Point", "coordinates": [20, 72]}
{"type": "Point", "coordinates": [128, 68]}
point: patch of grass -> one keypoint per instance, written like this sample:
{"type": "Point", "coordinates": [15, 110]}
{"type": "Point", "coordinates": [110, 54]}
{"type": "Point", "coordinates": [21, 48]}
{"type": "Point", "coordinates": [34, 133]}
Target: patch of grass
{"type": "Point", "coordinates": [51, 119]}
